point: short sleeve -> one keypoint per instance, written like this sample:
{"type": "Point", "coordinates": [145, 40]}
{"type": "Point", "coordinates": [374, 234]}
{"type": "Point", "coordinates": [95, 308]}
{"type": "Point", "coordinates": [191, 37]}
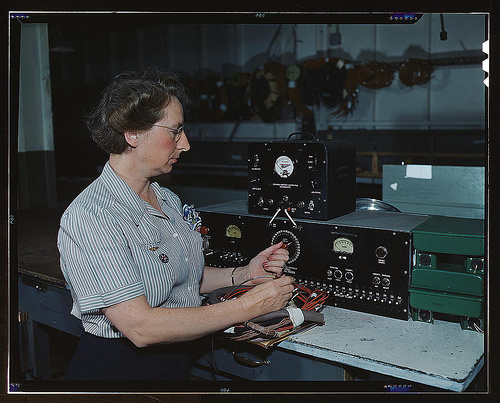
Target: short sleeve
{"type": "Point", "coordinates": [96, 260]}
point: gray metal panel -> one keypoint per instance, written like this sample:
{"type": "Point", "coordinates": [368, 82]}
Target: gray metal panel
{"type": "Point", "coordinates": [440, 354]}
{"type": "Point", "coordinates": [438, 190]}
{"type": "Point", "coordinates": [363, 219]}
{"type": "Point", "coordinates": [380, 220]}
{"type": "Point", "coordinates": [237, 207]}
{"type": "Point", "coordinates": [48, 305]}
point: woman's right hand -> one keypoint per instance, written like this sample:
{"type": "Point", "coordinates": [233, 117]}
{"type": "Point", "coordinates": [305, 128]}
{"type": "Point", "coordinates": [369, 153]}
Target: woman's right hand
{"type": "Point", "coordinates": [268, 297]}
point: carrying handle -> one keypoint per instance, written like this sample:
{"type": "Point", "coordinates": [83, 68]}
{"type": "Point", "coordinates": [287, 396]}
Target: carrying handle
{"type": "Point", "coordinates": [310, 134]}
{"type": "Point", "coordinates": [248, 362]}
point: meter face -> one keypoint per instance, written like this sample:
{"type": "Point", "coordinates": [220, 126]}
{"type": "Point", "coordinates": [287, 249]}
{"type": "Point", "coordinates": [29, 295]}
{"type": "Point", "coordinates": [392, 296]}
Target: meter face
{"type": "Point", "coordinates": [233, 231]}
{"type": "Point", "coordinates": [343, 245]}
{"type": "Point", "coordinates": [284, 166]}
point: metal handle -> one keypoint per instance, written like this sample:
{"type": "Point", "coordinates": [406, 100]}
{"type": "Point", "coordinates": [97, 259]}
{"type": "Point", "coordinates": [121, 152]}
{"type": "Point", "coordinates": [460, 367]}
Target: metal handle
{"type": "Point", "coordinates": [248, 362]}
{"type": "Point", "coordinates": [309, 134]}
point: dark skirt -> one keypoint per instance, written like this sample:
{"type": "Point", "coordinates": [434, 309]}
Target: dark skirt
{"type": "Point", "coordinates": [98, 358]}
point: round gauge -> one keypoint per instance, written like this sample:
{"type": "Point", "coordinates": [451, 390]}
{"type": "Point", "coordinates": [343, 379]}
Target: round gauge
{"type": "Point", "coordinates": [343, 245]}
{"type": "Point", "coordinates": [292, 242]}
{"type": "Point", "coordinates": [233, 231]}
{"type": "Point", "coordinates": [283, 166]}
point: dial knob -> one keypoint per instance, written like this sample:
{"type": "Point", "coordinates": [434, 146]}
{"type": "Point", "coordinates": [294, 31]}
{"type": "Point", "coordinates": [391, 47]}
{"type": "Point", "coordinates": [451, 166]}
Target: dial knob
{"type": "Point", "coordinates": [256, 160]}
{"type": "Point", "coordinates": [316, 184]}
{"type": "Point", "coordinates": [381, 252]}
{"type": "Point", "coordinates": [289, 238]}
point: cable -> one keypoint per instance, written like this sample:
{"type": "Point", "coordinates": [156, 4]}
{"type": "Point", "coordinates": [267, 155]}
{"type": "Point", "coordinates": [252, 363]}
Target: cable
{"type": "Point", "coordinates": [274, 39]}
{"type": "Point", "coordinates": [303, 307]}
{"type": "Point", "coordinates": [443, 35]}
{"type": "Point", "coordinates": [285, 210]}
{"type": "Point", "coordinates": [225, 293]}
{"type": "Point", "coordinates": [290, 217]}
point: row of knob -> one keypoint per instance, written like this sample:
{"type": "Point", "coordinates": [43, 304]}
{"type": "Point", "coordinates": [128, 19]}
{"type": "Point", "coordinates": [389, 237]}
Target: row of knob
{"type": "Point", "coordinates": [349, 276]}
{"type": "Point", "coordinates": [368, 296]}
{"type": "Point", "coordinates": [311, 162]}
{"type": "Point", "coordinates": [270, 202]}
{"type": "Point", "coordinates": [235, 257]}
{"type": "Point", "coordinates": [350, 293]}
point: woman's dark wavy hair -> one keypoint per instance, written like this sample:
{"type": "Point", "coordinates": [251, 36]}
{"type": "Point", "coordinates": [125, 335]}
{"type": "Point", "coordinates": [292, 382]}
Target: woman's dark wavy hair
{"type": "Point", "coordinates": [132, 102]}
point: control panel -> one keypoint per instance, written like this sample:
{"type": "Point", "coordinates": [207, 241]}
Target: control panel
{"type": "Point", "coordinates": [364, 269]}
{"type": "Point", "coordinates": [311, 179]}
{"type": "Point", "coordinates": [368, 270]}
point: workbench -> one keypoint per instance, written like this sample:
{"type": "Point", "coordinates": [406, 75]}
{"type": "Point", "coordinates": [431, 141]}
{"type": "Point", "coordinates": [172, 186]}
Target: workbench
{"type": "Point", "coordinates": [440, 355]}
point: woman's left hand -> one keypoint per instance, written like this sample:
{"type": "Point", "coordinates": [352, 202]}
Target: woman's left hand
{"type": "Point", "coordinates": [268, 262]}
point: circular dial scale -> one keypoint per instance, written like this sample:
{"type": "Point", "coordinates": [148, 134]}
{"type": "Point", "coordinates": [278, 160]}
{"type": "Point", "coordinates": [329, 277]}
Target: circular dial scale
{"type": "Point", "coordinates": [284, 166]}
{"type": "Point", "coordinates": [343, 245]}
{"type": "Point", "coordinates": [288, 238]}
{"type": "Point", "coordinates": [233, 231]}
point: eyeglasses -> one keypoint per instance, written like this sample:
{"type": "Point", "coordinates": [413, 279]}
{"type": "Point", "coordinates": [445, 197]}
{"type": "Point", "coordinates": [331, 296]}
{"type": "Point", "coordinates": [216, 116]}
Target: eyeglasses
{"type": "Point", "coordinates": [177, 132]}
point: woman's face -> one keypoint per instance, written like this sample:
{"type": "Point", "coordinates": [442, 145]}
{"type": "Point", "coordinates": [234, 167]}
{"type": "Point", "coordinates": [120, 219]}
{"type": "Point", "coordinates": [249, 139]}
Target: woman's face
{"type": "Point", "coordinates": [157, 150]}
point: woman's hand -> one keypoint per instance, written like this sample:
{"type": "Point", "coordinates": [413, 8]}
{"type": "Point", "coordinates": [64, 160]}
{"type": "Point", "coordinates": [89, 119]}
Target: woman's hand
{"type": "Point", "coordinates": [268, 297]}
{"type": "Point", "coordinates": [269, 262]}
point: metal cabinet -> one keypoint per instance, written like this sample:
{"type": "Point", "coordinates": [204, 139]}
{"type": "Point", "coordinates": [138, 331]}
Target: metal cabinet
{"type": "Point", "coordinates": [244, 361]}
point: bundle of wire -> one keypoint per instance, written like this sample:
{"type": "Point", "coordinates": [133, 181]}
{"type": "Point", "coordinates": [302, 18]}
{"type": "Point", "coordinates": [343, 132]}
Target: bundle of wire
{"type": "Point", "coordinates": [302, 308]}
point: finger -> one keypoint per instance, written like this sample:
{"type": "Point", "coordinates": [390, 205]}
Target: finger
{"type": "Point", "coordinates": [271, 249]}
{"type": "Point", "coordinates": [275, 271]}
{"type": "Point", "coordinates": [288, 292]}
{"type": "Point", "coordinates": [277, 260]}
{"type": "Point", "coordinates": [273, 265]}
{"type": "Point", "coordinates": [286, 280]}
{"type": "Point", "coordinates": [280, 253]}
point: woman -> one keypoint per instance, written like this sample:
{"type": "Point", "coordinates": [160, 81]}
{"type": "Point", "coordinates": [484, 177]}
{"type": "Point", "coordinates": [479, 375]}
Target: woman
{"type": "Point", "coordinates": [134, 265]}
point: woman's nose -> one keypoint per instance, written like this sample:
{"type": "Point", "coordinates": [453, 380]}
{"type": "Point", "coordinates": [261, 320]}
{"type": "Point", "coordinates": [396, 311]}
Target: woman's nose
{"type": "Point", "coordinates": [184, 142]}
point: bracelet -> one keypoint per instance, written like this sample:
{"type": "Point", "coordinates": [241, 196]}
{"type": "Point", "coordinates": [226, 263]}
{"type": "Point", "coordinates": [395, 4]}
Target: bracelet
{"type": "Point", "coordinates": [232, 275]}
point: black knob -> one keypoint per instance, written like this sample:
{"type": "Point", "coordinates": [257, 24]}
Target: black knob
{"type": "Point", "coordinates": [381, 252]}
{"type": "Point", "coordinates": [425, 260]}
{"type": "Point", "coordinates": [316, 184]}
{"type": "Point", "coordinates": [424, 315]}
{"type": "Point", "coordinates": [476, 264]}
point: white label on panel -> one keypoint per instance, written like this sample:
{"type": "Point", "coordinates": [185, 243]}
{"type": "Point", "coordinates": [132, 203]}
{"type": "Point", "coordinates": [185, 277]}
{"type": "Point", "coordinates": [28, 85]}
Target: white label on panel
{"type": "Point", "coordinates": [419, 171]}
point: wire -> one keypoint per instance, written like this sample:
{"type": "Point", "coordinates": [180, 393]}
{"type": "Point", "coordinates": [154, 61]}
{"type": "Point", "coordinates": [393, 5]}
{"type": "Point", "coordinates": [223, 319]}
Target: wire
{"type": "Point", "coordinates": [443, 35]}
{"type": "Point", "coordinates": [290, 217]}
{"type": "Point", "coordinates": [273, 324]}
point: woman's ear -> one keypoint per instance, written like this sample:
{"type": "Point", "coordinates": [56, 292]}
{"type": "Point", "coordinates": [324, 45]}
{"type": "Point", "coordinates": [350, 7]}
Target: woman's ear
{"type": "Point", "coordinates": [132, 139]}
